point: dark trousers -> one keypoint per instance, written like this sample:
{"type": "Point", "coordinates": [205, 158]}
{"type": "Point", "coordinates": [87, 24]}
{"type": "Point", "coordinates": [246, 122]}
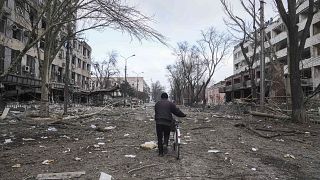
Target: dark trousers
{"type": "Point", "coordinates": [163, 132]}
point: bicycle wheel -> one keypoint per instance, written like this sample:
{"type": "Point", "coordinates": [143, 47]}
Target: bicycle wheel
{"type": "Point", "coordinates": [177, 145]}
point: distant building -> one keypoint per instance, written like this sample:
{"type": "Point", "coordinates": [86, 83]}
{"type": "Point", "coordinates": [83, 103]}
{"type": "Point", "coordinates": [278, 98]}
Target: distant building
{"type": "Point", "coordinates": [138, 83]}
{"type": "Point", "coordinates": [213, 96]}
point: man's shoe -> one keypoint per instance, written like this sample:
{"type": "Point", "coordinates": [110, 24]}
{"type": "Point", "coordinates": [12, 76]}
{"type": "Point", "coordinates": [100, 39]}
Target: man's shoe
{"type": "Point", "coordinates": [161, 154]}
{"type": "Point", "coordinates": [165, 149]}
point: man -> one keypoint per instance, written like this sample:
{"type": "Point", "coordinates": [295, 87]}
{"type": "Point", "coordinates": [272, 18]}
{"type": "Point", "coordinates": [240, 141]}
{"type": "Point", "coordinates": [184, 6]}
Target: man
{"type": "Point", "coordinates": [163, 116]}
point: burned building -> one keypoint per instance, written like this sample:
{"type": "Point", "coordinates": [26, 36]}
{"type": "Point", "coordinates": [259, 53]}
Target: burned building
{"type": "Point", "coordinates": [25, 81]}
{"type": "Point", "coordinates": [238, 85]}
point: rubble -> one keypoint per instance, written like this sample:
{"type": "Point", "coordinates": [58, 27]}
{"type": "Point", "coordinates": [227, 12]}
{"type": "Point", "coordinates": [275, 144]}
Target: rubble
{"type": "Point", "coordinates": [63, 175]}
{"type": "Point", "coordinates": [149, 145]}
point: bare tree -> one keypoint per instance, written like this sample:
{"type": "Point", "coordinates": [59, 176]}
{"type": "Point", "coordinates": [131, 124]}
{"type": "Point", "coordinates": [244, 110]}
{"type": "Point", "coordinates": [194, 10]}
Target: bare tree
{"type": "Point", "coordinates": [214, 47]}
{"type": "Point", "coordinates": [192, 69]}
{"type": "Point", "coordinates": [106, 69]}
{"type": "Point", "coordinates": [156, 90]}
{"type": "Point", "coordinates": [177, 82]}
{"type": "Point", "coordinates": [245, 32]}
{"type": "Point", "coordinates": [296, 45]}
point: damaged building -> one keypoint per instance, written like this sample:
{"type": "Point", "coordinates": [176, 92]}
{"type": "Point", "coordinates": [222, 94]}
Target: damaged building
{"type": "Point", "coordinates": [24, 83]}
{"type": "Point", "coordinates": [239, 86]}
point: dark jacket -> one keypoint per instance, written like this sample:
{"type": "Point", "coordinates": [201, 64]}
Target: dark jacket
{"type": "Point", "coordinates": [164, 110]}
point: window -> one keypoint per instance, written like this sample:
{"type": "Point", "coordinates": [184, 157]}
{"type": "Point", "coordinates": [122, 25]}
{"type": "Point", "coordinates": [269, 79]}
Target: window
{"type": "Point", "coordinates": [14, 56]}
{"type": "Point", "coordinates": [73, 61]}
{"type": "Point", "coordinates": [84, 65]}
{"type": "Point", "coordinates": [84, 51]}
{"type": "Point", "coordinates": [88, 67]}
{"type": "Point", "coordinates": [79, 63]}
{"type": "Point", "coordinates": [73, 76]}
{"type": "Point", "coordinates": [31, 63]}
{"type": "Point", "coordinates": [53, 72]}
{"type": "Point", "coordinates": [16, 32]}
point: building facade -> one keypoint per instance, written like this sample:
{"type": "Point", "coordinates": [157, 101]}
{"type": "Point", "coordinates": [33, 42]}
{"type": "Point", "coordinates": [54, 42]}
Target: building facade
{"type": "Point", "coordinates": [238, 85]}
{"type": "Point", "coordinates": [26, 78]}
{"type": "Point", "coordinates": [213, 96]}
{"type": "Point", "coordinates": [138, 83]}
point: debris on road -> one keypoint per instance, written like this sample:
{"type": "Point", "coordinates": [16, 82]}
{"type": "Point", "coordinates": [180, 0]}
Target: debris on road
{"type": "Point", "coordinates": [289, 156]}
{"type": "Point", "coordinates": [130, 156]}
{"type": "Point", "coordinates": [254, 149]}
{"type": "Point", "coordinates": [6, 141]}
{"type": "Point", "coordinates": [53, 129]}
{"type": "Point", "coordinates": [64, 175]}
{"type": "Point", "coordinates": [214, 151]}
{"type": "Point", "coordinates": [48, 161]}
{"type": "Point", "coordinates": [16, 166]}
{"type": "Point", "coordinates": [104, 176]}
{"type": "Point", "coordinates": [149, 145]}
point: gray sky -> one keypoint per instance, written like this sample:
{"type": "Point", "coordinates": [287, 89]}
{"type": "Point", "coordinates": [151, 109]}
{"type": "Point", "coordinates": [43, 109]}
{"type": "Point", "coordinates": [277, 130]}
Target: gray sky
{"type": "Point", "coordinates": [178, 20]}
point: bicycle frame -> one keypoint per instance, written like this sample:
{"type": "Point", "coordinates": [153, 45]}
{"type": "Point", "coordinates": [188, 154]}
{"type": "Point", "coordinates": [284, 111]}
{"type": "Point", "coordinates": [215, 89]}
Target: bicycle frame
{"type": "Point", "coordinates": [177, 140]}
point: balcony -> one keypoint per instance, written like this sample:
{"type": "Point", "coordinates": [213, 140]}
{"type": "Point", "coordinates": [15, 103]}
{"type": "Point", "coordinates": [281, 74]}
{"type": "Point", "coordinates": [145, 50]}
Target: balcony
{"type": "Point", "coordinates": [21, 80]}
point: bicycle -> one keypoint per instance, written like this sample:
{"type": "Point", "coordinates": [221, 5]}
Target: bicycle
{"type": "Point", "coordinates": [176, 139]}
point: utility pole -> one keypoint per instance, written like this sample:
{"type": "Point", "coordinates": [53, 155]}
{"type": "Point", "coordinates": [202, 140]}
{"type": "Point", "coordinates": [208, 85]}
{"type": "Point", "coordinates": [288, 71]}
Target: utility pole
{"type": "Point", "coordinates": [262, 59]}
{"type": "Point", "coordinates": [125, 77]}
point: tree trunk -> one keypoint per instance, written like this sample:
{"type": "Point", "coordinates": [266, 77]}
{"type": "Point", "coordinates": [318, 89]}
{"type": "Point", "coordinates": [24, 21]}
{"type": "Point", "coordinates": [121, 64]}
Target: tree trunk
{"type": "Point", "coordinates": [298, 108]}
{"type": "Point", "coordinates": [66, 80]}
{"type": "Point", "coordinates": [253, 85]}
{"type": "Point", "coordinates": [44, 108]}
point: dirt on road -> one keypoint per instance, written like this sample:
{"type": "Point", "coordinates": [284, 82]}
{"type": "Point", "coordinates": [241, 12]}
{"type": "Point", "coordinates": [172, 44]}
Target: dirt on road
{"type": "Point", "coordinates": [215, 145]}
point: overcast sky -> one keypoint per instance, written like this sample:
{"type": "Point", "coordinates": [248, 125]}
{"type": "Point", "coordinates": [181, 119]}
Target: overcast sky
{"type": "Point", "coordinates": [178, 20]}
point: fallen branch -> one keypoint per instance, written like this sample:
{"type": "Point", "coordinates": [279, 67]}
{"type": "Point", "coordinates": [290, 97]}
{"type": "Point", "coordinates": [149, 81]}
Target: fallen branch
{"type": "Point", "coordinates": [256, 113]}
{"type": "Point", "coordinates": [143, 167]}
{"type": "Point", "coordinates": [203, 127]}
{"type": "Point", "coordinates": [256, 131]}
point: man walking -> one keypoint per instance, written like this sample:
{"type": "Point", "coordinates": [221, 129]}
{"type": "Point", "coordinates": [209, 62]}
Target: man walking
{"type": "Point", "coordinates": [163, 116]}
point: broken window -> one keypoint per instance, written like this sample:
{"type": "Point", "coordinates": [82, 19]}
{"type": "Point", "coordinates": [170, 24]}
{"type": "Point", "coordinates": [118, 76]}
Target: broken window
{"type": "Point", "coordinates": [73, 61]}
{"type": "Point", "coordinates": [84, 51]}
{"type": "Point", "coordinates": [83, 65]}
{"type": "Point", "coordinates": [16, 32]}
{"type": "Point", "coordinates": [79, 63]}
{"type": "Point", "coordinates": [88, 67]}
{"type": "Point", "coordinates": [59, 74]}
{"type": "Point", "coordinates": [53, 72]}
{"type": "Point", "coordinates": [31, 64]}
{"type": "Point", "coordinates": [73, 76]}
{"type": "Point", "coordinates": [14, 56]}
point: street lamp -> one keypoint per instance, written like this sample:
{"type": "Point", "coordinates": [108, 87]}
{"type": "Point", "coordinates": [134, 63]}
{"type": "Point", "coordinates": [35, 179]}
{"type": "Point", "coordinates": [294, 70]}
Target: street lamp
{"type": "Point", "coordinates": [125, 74]}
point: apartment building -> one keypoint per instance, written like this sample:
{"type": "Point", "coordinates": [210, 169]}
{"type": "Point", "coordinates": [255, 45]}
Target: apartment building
{"type": "Point", "coordinates": [238, 85]}
{"type": "Point", "coordinates": [26, 79]}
